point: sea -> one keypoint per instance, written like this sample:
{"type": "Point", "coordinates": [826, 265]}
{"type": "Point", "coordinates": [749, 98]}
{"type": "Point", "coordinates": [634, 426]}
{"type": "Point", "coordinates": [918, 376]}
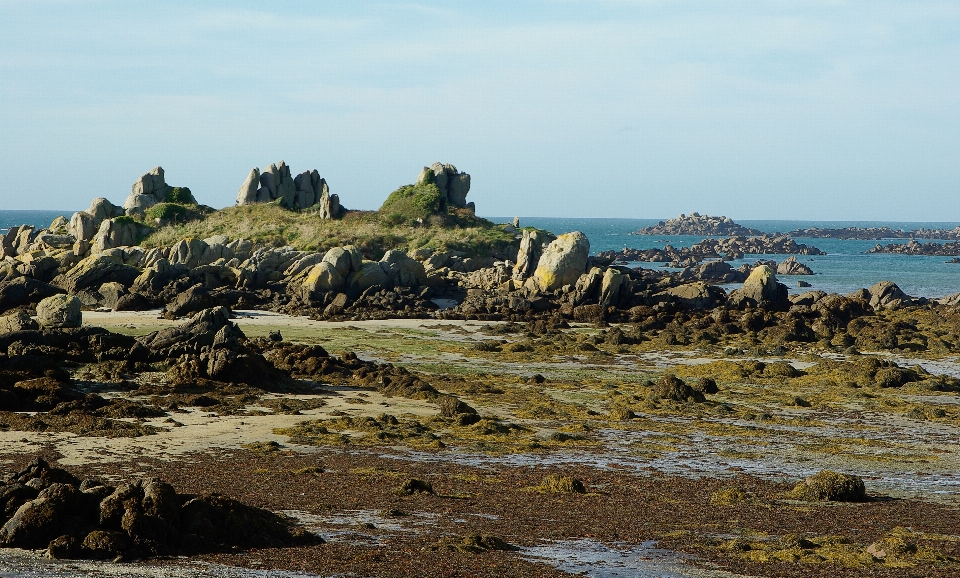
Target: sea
{"type": "Point", "coordinates": [846, 267]}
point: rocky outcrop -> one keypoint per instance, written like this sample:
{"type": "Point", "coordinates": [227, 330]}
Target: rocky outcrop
{"type": "Point", "coordinates": [760, 290]}
{"type": "Point", "coordinates": [307, 190]}
{"type": "Point", "coordinates": [532, 243]}
{"type": "Point", "coordinates": [453, 184]}
{"type": "Point", "coordinates": [95, 271]}
{"type": "Point", "coordinates": [150, 189]}
{"type": "Point", "coordinates": [120, 232]}
{"type": "Point", "coordinates": [402, 270]}
{"type": "Point", "coordinates": [790, 266]}
{"type": "Point", "coordinates": [697, 224]}
{"type": "Point", "coordinates": [562, 262]}
{"type": "Point", "coordinates": [59, 311]}
{"type": "Point", "coordinates": [887, 295]}
{"type": "Point", "coordinates": [85, 224]}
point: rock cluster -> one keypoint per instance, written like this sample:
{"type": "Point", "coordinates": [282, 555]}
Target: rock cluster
{"type": "Point", "coordinates": [150, 189]}
{"type": "Point", "coordinates": [453, 184]}
{"type": "Point", "coordinates": [914, 247]}
{"type": "Point", "coordinates": [878, 233]}
{"type": "Point", "coordinates": [48, 507]}
{"type": "Point", "coordinates": [728, 249]}
{"type": "Point", "coordinates": [697, 224]}
{"type": "Point", "coordinates": [304, 191]}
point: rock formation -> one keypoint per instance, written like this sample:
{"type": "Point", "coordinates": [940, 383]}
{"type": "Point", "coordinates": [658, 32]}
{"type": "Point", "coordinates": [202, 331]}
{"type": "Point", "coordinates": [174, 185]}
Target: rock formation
{"type": "Point", "coordinates": [790, 266]}
{"type": "Point", "coordinates": [760, 290]}
{"type": "Point", "coordinates": [532, 244]}
{"type": "Point", "coordinates": [307, 190]}
{"type": "Point", "coordinates": [562, 262]}
{"type": "Point", "coordinates": [453, 184]}
{"type": "Point", "coordinates": [59, 311]}
{"type": "Point", "coordinates": [150, 189]}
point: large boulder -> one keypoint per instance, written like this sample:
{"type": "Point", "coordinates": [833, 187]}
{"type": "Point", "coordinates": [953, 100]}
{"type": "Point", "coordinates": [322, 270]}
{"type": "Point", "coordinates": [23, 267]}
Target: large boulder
{"type": "Point", "coordinates": [887, 295]}
{"type": "Point", "coordinates": [402, 270]}
{"type": "Point", "coordinates": [59, 311]}
{"type": "Point", "coordinates": [370, 274]}
{"type": "Point", "coordinates": [761, 290]}
{"type": "Point", "coordinates": [790, 266]}
{"type": "Point", "coordinates": [612, 287]}
{"type": "Point", "coordinates": [323, 277]}
{"type": "Point", "coordinates": [531, 248]}
{"type": "Point", "coordinates": [562, 262]}
{"type": "Point", "coordinates": [344, 259]}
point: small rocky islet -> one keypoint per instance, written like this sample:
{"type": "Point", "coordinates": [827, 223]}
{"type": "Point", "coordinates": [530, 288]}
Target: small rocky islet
{"type": "Point", "coordinates": [527, 345]}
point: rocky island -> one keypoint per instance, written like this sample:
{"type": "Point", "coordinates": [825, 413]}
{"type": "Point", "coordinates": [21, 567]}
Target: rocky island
{"type": "Point", "coordinates": [379, 392]}
{"type": "Point", "coordinates": [697, 224]}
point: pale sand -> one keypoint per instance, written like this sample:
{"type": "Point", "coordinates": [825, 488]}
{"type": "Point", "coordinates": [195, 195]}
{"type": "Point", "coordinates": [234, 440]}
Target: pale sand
{"type": "Point", "coordinates": [262, 321]}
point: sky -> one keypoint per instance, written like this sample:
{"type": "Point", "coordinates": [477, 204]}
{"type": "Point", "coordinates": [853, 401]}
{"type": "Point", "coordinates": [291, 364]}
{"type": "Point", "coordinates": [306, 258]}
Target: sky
{"type": "Point", "coordinates": [763, 109]}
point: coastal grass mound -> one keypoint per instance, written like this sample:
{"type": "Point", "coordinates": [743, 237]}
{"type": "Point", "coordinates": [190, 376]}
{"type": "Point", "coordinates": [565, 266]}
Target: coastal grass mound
{"type": "Point", "coordinates": [373, 232]}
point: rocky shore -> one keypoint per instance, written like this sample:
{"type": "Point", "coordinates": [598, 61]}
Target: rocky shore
{"type": "Point", "coordinates": [406, 404]}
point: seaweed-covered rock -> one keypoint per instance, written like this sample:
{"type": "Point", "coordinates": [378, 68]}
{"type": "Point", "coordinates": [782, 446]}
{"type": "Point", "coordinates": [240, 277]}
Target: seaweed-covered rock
{"type": "Point", "coordinates": [673, 388]}
{"type": "Point", "coordinates": [830, 486]}
{"type": "Point", "coordinates": [86, 519]}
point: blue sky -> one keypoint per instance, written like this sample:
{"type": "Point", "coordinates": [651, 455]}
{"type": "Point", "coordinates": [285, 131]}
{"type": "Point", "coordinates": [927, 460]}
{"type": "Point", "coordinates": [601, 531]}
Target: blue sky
{"type": "Point", "coordinates": [751, 109]}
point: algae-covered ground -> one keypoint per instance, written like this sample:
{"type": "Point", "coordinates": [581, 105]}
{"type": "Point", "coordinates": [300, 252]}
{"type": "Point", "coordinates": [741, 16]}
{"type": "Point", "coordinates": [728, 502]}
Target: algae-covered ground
{"type": "Point", "coordinates": [580, 432]}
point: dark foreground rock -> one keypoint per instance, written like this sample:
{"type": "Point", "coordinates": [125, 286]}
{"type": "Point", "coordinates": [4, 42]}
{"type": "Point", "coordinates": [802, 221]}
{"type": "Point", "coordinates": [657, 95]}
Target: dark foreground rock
{"type": "Point", "coordinates": [48, 507]}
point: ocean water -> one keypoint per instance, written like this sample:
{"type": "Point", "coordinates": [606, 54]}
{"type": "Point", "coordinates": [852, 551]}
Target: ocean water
{"type": "Point", "coordinates": [845, 268]}
{"type": "Point", "coordinates": [36, 218]}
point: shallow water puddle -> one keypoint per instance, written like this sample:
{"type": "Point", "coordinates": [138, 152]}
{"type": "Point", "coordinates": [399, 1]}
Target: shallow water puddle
{"type": "Point", "coordinates": [597, 560]}
{"type": "Point", "coordinates": [349, 525]}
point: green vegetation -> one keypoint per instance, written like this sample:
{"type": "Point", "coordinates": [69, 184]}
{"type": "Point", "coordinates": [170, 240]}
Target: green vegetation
{"type": "Point", "coordinates": [181, 196]}
{"type": "Point", "coordinates": [412, 202]}
{"type": "Point", "coordinates": [273, 225]}
{"type": "Point", "coordinates": [173, 213]}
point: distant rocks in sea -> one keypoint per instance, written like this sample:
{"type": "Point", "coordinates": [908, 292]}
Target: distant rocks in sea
{"type": "Point", "coordinates": [914, 247]}
{"type": "Point", "coordinates": [727, 249]}
{"type": "Point", "coordinates": [871, 233]}
{"type": "Point", "coordinates": [697, 224]}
